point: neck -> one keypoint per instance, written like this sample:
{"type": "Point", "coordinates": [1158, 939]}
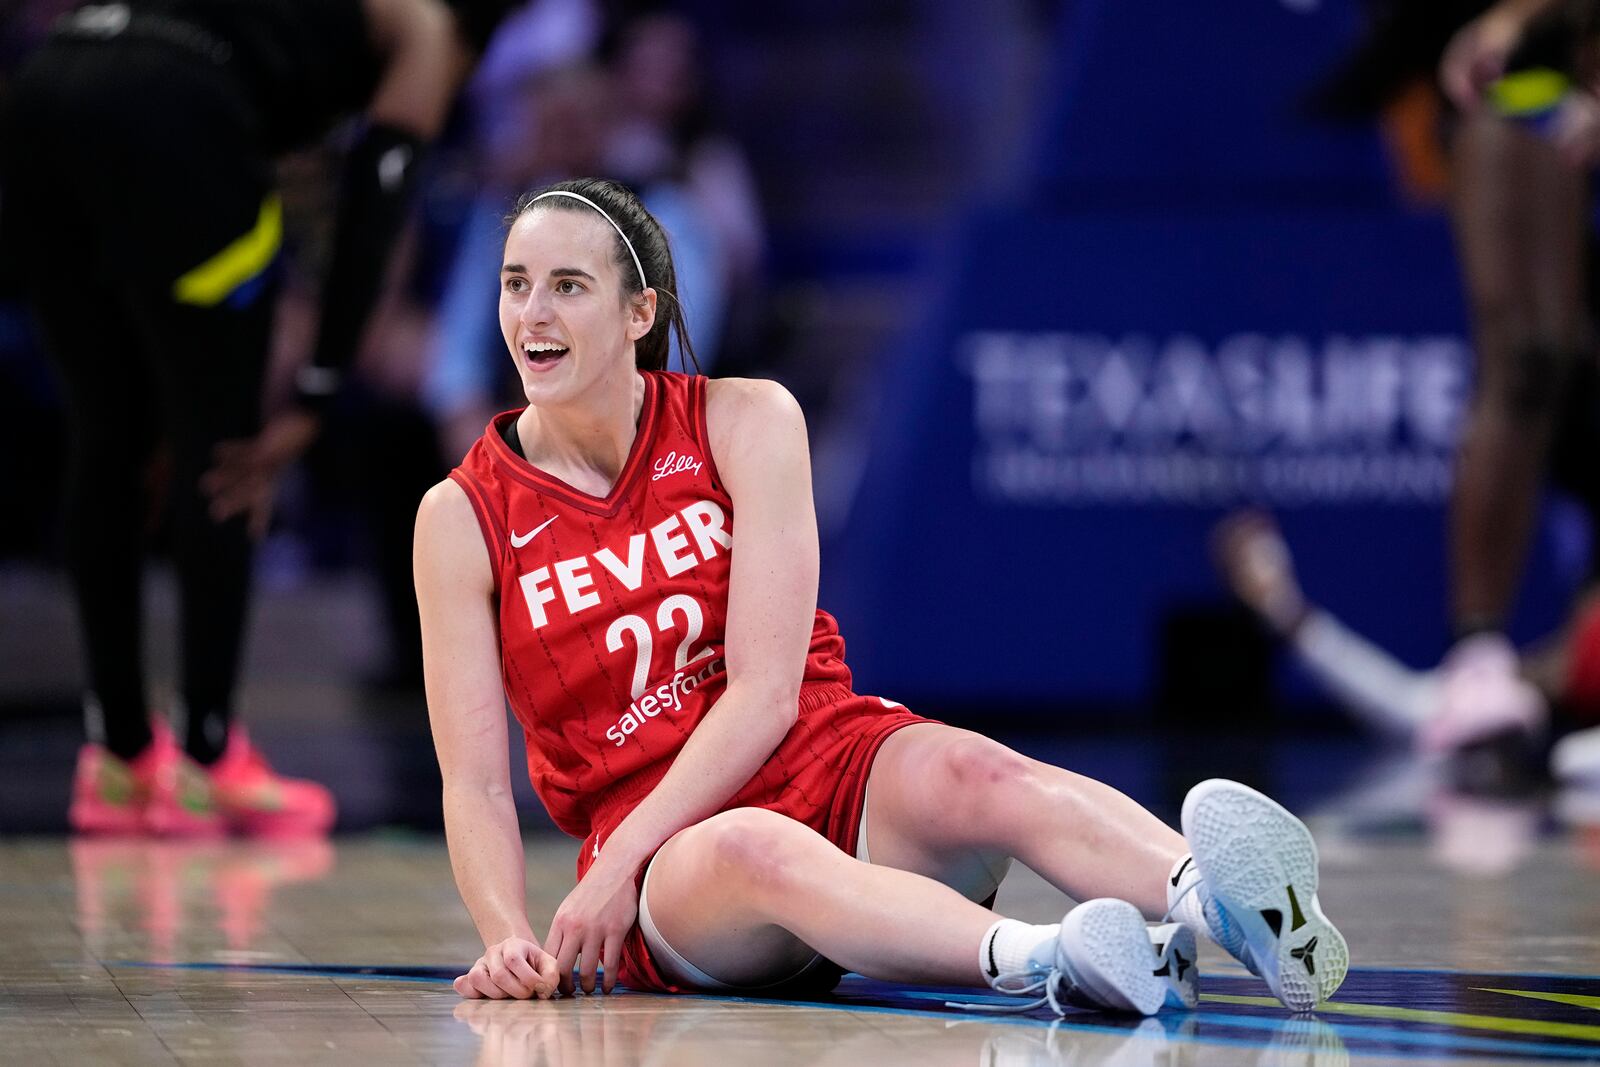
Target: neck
{"type": "Point", "coordinates": [592, 433]}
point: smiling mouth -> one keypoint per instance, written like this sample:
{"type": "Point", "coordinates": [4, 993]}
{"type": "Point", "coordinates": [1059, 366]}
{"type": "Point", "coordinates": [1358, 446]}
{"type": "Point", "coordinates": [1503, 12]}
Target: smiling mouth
{"type": "Point", "coordinates": [543, 356]}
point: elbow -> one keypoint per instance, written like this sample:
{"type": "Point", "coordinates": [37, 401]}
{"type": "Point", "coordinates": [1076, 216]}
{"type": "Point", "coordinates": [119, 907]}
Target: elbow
{"type": "Point", "coordinates": [779, 703]}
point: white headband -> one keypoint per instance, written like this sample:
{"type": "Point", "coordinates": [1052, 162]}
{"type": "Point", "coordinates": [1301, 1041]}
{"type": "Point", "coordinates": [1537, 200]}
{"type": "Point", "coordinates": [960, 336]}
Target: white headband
{"type": "Point", "coordinates": [584, 199]}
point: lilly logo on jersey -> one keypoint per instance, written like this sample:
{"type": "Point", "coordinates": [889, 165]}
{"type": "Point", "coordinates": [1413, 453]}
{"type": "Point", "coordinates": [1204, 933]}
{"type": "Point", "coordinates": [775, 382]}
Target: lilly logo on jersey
{"type": "Point", "coordinates": [672, 463]}
{"type": "Point", "coordinates": [703, 522]}
{"type": "Point", "coordinates": [668, 696]}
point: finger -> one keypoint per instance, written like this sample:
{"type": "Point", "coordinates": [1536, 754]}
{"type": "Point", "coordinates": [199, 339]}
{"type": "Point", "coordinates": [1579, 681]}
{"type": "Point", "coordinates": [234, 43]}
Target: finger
{"type": "Point", "coordinates": [504, 976]}
{"type": "Point", "coordinates": [484, 984]}
{"type": "Point", "coordinates": [522, 972]}
{"type": "Point", "coordinates": [1458, 86]}
{"type": "Point", "coordinates": [223, 480]}
{"type": "Point", "coordinates": [234, 491]}
{"type": "Point", "coordinates": [586, 966]}
{"type": "Point", "coordinates": [1455, 73]}
{"type": "Point", "coordinates": [1450, 68]}
{"type": "Point", "coordinates": [467, 984]}
{"type": "Point", "coordinates": [610, 960]}
{"type": "Point", "coordinates": [549, 975]}
{"type": "Point", "coordinates": [566, 958]}
{"type": "Point", "coordinates": [225, 507]}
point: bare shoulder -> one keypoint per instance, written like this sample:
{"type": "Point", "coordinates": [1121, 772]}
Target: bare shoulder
{"type": "Point", "coordinates": [443, 506]}
{"type": "Point", "coordinates": [745, 411]}
{"type": "Point", "coordinates": [448, 539]}
{"type": "Point", "coordinates": [758, 434]}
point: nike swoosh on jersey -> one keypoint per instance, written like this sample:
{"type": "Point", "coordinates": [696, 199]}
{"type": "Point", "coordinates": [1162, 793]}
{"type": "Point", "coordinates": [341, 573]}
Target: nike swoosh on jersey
{"type": "Point", "coordinates": [517, 541]}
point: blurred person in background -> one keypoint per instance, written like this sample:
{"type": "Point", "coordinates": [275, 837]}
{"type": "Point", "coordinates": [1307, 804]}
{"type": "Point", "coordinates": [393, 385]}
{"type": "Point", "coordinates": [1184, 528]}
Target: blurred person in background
{"type": "Point", "coordinates": [1393, 699]}
{"type": "Point", "coordinates": [556, 120]}
{"type": "Point", "coordinates": [1523, 126]}
{"type": "Point", "coordinates": [665, 142]}
{"type": "Point", "coordinates": [641, 115]}
{"type": "Point", "coordinates": [141, 212]}
{"type": "Point", "coordinates": [1522, 143]}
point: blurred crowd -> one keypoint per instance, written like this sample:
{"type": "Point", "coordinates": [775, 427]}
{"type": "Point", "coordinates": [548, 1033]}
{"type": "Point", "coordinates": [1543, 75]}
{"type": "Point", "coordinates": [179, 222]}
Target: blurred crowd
{"type": "Point", "coordinates": [565, 88]}
{"type": "Point", "coordinates": [1492, 108]}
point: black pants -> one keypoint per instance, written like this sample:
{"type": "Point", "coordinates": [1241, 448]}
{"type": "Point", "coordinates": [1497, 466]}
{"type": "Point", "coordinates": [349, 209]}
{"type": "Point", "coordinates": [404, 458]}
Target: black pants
{"type": "Point", "coordinates": [132, 164]}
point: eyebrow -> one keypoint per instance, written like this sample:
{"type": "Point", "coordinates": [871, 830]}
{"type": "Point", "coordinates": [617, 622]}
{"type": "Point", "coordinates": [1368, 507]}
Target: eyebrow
{"type": "Point", "coordinates": [558, 272]}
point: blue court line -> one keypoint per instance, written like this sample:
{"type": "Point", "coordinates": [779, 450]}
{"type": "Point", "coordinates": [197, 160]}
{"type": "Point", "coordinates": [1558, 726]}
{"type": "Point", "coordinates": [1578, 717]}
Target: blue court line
{"type": "Point", "coordinates": [1368, 1035]}
{"type": "Point", "coordinates": [304, 970]}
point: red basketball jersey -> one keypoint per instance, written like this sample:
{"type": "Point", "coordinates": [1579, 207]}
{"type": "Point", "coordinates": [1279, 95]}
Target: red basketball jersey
{"type": "Point", "coordinates": [612, 610]}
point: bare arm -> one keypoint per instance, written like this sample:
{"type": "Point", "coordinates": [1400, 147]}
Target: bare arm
{"type": "Point", "coordinates": [425, 60]}
{"type": "Point", "coordinates": [466, 708]}
{"type": "Point", "coordinates": [758, 440]}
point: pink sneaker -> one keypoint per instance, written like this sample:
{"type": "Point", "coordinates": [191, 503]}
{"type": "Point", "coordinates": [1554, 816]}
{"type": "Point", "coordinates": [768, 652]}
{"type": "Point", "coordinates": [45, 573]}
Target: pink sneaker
{"type": "Point", "coordinates": [109, 794]}
{"type": "Point", "coordinates": [1481, 694]}
{"type": "Point", "coordinates": [259, 802]}
{"type": "Point", "coordinates": [181, 802]}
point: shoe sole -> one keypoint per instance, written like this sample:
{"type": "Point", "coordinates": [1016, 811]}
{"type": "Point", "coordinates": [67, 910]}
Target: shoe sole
{"type": "Point", "coordinates": [1260, 863]}
{"type": "Point", "coordinates": [1177, 963]}
{"type": "Point", "coordinates": [1111, 956]}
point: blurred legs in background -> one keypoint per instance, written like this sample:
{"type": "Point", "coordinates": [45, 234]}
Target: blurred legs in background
{"type": "Point", "coordinates": [1520, 219]}
{"type": "Point", "coordinates": [155, 304]}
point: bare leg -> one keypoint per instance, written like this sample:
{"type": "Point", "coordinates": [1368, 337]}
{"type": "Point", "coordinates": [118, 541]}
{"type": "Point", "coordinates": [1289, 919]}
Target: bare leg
{"type": "Point", "coordinates": [749, 896]}
{"type": "Point", "coordinates": [1519, 219]}
{"type": "Point", "coordinates": [937, 794]}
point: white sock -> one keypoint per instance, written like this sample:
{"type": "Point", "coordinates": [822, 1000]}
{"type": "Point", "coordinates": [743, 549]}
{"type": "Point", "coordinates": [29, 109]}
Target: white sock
{"type": "Point", "coordinates": [1186, 905]}
{"type": "Point", "coordinates": [1011, 945]}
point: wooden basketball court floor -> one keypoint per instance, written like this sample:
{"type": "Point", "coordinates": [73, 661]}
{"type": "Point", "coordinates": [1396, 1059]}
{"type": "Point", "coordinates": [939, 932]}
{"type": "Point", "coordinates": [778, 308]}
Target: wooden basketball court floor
{"type": "Point", "coordinates": [1474, 924]}
{"type": "Point", "coordinates": [1479, 943]}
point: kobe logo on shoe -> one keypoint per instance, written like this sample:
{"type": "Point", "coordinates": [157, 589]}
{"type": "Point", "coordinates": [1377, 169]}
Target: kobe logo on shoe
{"type": "Point", "coordinates": [1304, 955]}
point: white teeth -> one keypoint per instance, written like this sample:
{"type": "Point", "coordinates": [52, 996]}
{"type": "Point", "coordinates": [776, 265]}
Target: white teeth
{"type": "Point", "coordinates": [543, 346]}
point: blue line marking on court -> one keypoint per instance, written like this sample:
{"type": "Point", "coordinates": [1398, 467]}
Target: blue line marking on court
{"type": "Point", "coordinates": [305, 970]}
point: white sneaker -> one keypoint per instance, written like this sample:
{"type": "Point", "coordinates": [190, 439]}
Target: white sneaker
{"type": "Point", "coordinates": [1576, 758]}
{"type": "Point", "coordinates": [1177, 963]}
{"type": "Point", "coordinates": [1259, 864]}
{"type": "Point", "coordinates": [1481, 694]}
{"type": "Point", "coordinates": [1105, 961]}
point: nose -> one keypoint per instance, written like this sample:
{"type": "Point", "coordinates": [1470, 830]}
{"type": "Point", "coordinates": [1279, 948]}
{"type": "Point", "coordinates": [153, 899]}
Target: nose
{"type": "Point", "coordinates": [536, 310]}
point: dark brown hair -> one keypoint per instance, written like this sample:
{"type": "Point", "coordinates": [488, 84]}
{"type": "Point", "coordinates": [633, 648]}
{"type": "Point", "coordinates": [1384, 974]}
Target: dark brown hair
{"type": "Point", "coordinates": [649, 243]}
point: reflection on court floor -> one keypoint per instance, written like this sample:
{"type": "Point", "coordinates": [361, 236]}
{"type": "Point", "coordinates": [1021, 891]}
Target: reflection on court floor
{"type": "Point", "coordinates": [1388, 1012]}
{"type": "Point", "coordinates": [295, 952]}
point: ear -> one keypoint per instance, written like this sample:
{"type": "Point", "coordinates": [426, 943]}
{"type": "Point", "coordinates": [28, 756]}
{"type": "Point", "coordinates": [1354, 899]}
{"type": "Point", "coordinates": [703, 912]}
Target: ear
{"type": "Point", "coordinates": [641, 314]}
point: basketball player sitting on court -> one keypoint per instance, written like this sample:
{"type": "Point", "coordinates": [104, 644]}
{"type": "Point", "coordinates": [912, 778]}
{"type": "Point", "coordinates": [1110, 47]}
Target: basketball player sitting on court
{"type": "Point", "coordinates": [749, 822]}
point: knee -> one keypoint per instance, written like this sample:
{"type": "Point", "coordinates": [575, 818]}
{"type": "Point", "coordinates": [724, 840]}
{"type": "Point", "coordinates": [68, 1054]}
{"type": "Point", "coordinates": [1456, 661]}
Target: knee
{"type": "Point", "coordinates": [757, 849]}
{"type": "Point", "coordinates": [1529, 387]}
{"type": "Point", "coordinates": [975, 767]}
{"type": "Point", "coordinates": [981, 787]}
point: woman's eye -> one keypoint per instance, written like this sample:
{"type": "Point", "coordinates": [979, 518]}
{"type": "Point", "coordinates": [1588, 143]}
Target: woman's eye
{"type": "Point", "coordinates": [567, 286]}
{"type": "Point", "coordinates": [515, 285]}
